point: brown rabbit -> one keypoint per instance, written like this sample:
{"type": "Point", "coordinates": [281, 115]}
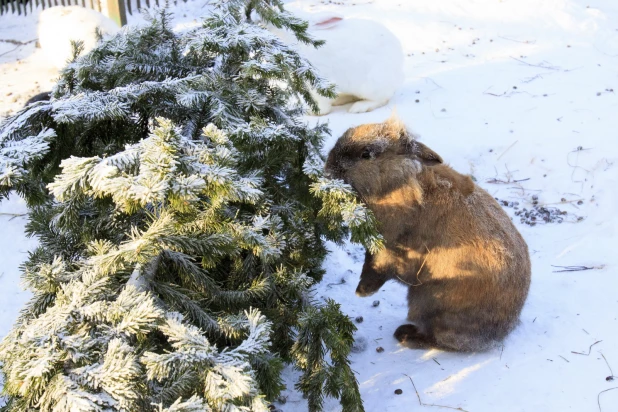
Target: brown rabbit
{"type": "Point", "coordinates": [466, 266]}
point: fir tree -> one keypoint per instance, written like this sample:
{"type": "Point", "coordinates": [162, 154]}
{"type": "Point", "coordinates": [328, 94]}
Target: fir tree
{"type": "Point", "coordinates": [181, 210]}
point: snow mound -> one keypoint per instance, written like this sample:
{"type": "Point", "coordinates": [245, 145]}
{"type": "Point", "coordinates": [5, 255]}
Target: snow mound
{"type": "Point", "coordinates": [58, 26]}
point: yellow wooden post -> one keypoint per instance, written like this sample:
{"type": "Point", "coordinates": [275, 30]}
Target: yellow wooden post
{"type": "Point", "coordinates": [117, 11]}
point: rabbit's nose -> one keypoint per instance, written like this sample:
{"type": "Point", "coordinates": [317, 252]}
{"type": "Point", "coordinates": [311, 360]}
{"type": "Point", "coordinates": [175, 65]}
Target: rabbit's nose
{"type": "Point", "coordinates": [329, 170]}
{"type": "Point", "coordinates": [334, 172]}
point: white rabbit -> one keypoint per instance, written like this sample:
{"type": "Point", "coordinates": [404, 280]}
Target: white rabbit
{"type": "Point", "coordinates": [361, 57]}
{"type": "Point", "coordinates": [61, 24]}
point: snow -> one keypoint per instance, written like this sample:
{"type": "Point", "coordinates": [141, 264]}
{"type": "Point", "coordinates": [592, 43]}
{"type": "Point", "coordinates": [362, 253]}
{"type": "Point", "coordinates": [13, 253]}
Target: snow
{"type": "Point", "coordinates": [507, 90]}
{"type": "Point", "coordinates": [59, 25]}
{"type": "Point", "coordinates": [14, 246]}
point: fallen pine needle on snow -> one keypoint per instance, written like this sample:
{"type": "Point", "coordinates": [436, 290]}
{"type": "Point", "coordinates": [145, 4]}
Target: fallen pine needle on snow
{"type": "Point", "coordinates": [575, 268]}
{"type": "Point", "coordinates": [599, 397]}
{"type": "Point", "coordinates": [17, 42]}
{"type": "Point", "coordinates": [420, 402]}
{"type": "Point", "coordinates": [507, 149]}
{"type": "Point", "coordinates": [330, 285]}
{"type": "Point", "coordinates": [611, 377]}
{"type": "Point", "coordinates": [496, 181]}
{"type": "Point", "coordinates": [564, 202]}
{"type": "Point", "coordinates": [589, 349]}
{"type": "Point", "coordinates": [542, 66]}
{"type": "Point", "coordinates": [13, 215]}
{"type": "Point", "coordinates": [493, 94]}
{"type": "Point", "coordinates": [10, 51]}
{"type": "Point", "coordinates": [519, 41]}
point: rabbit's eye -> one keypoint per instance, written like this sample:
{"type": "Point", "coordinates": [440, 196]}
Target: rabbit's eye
{"type": "Point", "coordinates": [366, 154]}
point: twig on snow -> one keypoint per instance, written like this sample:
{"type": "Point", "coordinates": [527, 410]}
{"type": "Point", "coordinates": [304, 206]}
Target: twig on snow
{"type": "Point", "coordinates": [505, 182]}
{"type": "Point", "coordinates": [420, 402]}
{"type": "Point", "coordinates": [519, 41]}
{"type": "Point", "coordinates": [576, 166]}
{"type": "Point", "coordinates": [599, 396]}
{"type": "Point", "coordinates": [13, 215]}
{"type": "Point", "coordinates": [611, 377]}
{"type": "Point", "coordinates": [602, 52]}
{"type": "Point", "coordinates": [17, 42]}
{"type": "Point", "coordinates": [564, 202]}
{"type": "Point", "coordinates": [433, 81]}
{"type": "Point", "coordinates": [575, 268]}
{"type": "Point", "coordinates": [341, 282]}
{"type": "Point", "coordinates": [507, 149]}
{"type": "Point", "coordinates": [535, 65]}
{"type": "Point", "coordinates": [533, 78]}
{"type": "Point", "coordinates": [10, 51]}
{"type": "Point", "coordinates": [493, 94]}
{"type": "Point", "coordinates": [589, 349]}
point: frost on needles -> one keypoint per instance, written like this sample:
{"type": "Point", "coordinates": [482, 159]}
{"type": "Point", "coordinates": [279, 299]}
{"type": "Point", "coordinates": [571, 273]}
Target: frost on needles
{"type": "Point", "coordinates": [181, 213]}
{"type": "Point", "coordinates": [113, 338]}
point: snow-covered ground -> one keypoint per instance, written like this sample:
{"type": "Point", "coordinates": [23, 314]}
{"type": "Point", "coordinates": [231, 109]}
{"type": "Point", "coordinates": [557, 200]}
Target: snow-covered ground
{"type": "Point", "coordinates": [521, 94]}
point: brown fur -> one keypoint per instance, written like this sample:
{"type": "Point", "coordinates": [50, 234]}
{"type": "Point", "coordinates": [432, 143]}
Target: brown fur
{"type": "Point", "coordinates": [466, 265]}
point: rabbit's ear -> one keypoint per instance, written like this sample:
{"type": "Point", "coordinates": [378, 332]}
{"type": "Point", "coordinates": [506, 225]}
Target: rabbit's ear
{"type": "Point", "coordinates": [427, 156]}
{"type": "Point", "coordinates": [325, 21]}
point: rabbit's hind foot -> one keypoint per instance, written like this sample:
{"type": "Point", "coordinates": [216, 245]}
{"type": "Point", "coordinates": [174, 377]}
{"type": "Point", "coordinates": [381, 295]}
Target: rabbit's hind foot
{"type": "Point", "coordinates": [363, 106]}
